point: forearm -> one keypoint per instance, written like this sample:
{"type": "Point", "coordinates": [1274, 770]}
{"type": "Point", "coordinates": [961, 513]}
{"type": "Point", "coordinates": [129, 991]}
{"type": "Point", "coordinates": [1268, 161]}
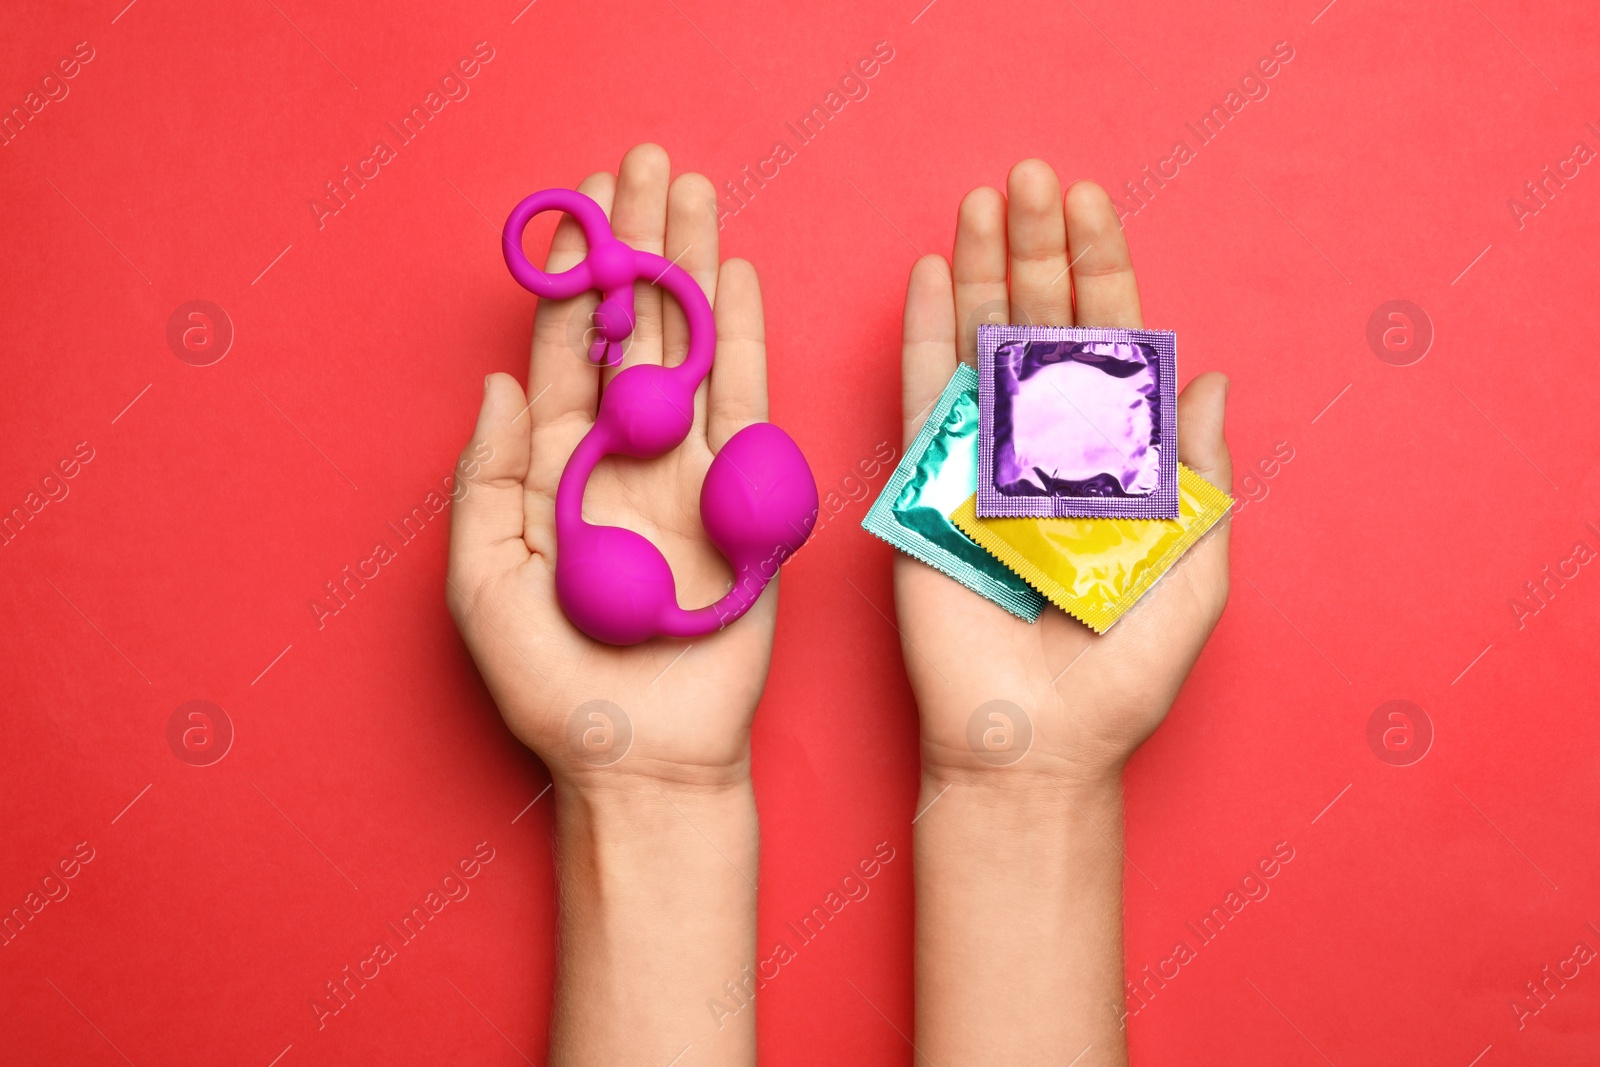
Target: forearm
{"type": "Point", "coordinates": [657, 912]}
{"type": "Point", "coordinates": [1019, 921]}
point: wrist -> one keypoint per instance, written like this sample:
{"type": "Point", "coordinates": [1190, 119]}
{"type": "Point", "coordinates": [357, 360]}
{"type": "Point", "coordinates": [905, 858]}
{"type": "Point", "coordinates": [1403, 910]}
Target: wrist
{"type": "Point", "coordinates": [638, 805]}
{"type": "Point", "coordinates": [1029, 799]}
{"type": "Point", "coordinates": [1030, 741]}
{"type": "Point", "coordinates": [638, 774]}
{"type": "Point", "coordinates": [657, 913]}
{"type": "Point", "coordinates": [1038, 773]}
{"type": "Point", "coordinates": [1020, 863]}
{"type": "Point", "coordinates": [623, 833]}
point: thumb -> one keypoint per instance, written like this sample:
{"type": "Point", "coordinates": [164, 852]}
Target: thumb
{"type": "Point", "coordinates": [486, 519]}
{"type": "Point", "coordinates": [1201, 445]}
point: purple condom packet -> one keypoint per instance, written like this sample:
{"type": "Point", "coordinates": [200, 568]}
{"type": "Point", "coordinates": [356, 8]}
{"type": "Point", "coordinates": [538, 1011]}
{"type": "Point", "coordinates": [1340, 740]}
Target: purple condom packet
{"type": "Point", "coordinates": [1077, 422]}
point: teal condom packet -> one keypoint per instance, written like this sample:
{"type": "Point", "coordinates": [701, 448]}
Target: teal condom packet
{"type": "Point", "coordinates": [937, 474]}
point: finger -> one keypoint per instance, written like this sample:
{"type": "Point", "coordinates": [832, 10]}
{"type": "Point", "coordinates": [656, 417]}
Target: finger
{"type": "Point", "coordinates": [691, 244]}
{"type": "Point", "coordinates": [563, 383]}
{"type": "Point", "coordinates": [737, 395]}
{"type": "Point", "coordinates": [1037, 233]}
{"type": "Point", "coordinates": [979, 267]}
{"type": "Point", "coordinates": [486, 518]}
{"type": "Point", "coordinates": [1103, 287]}
{"type": "Point", "coordinates": [1202, 407]}
{"type": "Point", "coordinates": [927, 341]}
{"type": "Point", "coordinates": [639, 218]}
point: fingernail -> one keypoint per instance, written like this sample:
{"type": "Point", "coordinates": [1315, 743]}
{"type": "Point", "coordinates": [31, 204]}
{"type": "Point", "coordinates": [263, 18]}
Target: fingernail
{"type": "Point", "coordinates": [486, 378]}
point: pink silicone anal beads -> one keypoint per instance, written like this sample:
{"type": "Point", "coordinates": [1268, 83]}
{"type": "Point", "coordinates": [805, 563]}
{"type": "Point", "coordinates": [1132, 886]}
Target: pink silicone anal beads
{"type": "Point", "coordinates": [758, 502]}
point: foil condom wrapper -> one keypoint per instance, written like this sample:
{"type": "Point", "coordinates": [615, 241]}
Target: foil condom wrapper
{"type": "Point", "coordinates": [935, 475]}
{"type": "Point", "coordinates": [1096, 569]}
{"type": "Point", "coordinates": [1077, 421]}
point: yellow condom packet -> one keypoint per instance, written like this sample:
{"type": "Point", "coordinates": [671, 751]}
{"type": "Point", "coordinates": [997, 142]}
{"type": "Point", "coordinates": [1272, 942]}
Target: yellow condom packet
{"type": "Point", "coordinates": [1096, 569]}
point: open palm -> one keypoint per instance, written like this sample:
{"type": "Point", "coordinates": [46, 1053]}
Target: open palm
{"type": "Point", "coordinates": [1091, 699]}
{"type": "Point", "coordinates": [668, 708]}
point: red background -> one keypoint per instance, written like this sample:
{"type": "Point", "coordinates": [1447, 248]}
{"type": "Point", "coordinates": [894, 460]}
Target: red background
{"type": "Point", "coordinates": [1380, 563]}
